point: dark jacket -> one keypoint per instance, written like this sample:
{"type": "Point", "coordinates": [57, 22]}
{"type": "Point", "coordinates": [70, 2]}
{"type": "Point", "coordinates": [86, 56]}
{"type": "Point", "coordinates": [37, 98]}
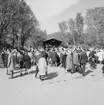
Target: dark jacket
{"type": "Point", "coordinates": [27, 61]}
{"type": "Point", "coordinates": [54, 56]}
{"type": "Point", "coordinates": [83, 58]}
{"type": "Point", "coordinates": [44, 54]}
{"type": "Point", "coordinates": [92, 54]}
{"type": "Point", "coordinates": [64, 60]}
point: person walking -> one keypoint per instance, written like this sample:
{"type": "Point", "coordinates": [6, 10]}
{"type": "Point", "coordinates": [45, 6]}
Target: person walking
{"type": "Point", "coordinates": [42, 66]}
{"type": "Point", "coordinates": [83, 60]}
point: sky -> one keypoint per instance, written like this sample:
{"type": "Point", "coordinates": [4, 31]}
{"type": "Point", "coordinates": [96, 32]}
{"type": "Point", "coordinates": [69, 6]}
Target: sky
{"type": "Point", "coordinates": [50, 12]}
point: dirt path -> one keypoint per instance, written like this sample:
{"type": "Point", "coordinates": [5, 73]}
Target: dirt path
{"type": "Point", "coordinates": [59, 89]}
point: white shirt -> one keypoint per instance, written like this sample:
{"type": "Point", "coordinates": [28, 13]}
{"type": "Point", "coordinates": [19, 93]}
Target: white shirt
{"type": "Point", "coordinates": [100, 55]}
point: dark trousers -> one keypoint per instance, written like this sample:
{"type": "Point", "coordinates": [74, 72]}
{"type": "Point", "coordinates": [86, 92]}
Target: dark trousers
{"type": "Point", "coordinates": [103, 69]}
{"type": "Point", "coordinates": [93, 65]}
{"type": "Point", "coordinates": [82, 65]}
{"type": "Point", "coordinates": [75, 68]}
{"type": "Point", "coordinates": [4, 62]}
{"type": "Point", "coordinates": [54, 63]}
{"type": "Point", "coordinates": [37, 70]}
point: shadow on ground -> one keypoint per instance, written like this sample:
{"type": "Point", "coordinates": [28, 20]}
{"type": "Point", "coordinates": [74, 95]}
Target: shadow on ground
{"type": "Point", "coordinates": [88, 72]}
{"type": "Point", "coordinates": [17, 74]}
{"type": "Point", "coordinates": [51, 76]}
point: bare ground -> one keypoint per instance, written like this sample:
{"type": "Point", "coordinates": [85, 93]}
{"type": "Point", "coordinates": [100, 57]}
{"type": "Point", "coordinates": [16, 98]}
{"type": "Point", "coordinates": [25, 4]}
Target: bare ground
{"type": "Point", "coordinates": [59, 88]}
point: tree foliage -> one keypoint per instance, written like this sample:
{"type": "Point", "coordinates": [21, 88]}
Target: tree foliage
{"type": "Point", "coordinates": [79, 25]}
{"type": "Point", "coordinates": [94, 34]}
{"type": "Point", "coordinates": [71, 25]}
{"type": "Point", "coordinates": [74, 28]}
{"type": "Point", "coordinates": [95, 21]}
{"type": "Point", "coordinates": [37, 39]}
{"type": "Point", "coordinates": [63, 26]}
{"type": "Point", "coordinates": [17, 22]}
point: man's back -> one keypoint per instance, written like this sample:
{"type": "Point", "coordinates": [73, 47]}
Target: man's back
{"type": "Point", "coordinates": [83, 57]}
{"type": "Point", "coordinates": [54, 56]}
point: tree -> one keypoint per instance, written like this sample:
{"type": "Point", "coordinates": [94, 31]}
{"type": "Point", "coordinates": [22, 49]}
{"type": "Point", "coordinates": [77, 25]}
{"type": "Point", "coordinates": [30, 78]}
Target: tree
{"type": "Point", "coordinates": [71, 25]}
{"type": "Point", "coordinates": [91, 38]}
{"type": "Point", "coordinates": [37, 39]}
{"type": "Point", "coordinates": [95, 20]}
{"type": "Point", "coordinates": [63, 26]}
{"type": "Point", "coordinates": [17, 22]}
{"type": "Point", "coordinates": [79, 23]}
{"type": "Point", "coordinates": [29, 23]}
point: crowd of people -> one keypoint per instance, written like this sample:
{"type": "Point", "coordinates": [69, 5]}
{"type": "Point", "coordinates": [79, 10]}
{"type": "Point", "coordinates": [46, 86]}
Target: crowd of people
{"type": "Point", "coordinates": [71, 59]}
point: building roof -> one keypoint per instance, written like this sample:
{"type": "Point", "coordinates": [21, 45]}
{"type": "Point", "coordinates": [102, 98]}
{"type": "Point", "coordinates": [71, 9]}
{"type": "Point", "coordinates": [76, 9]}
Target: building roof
{"type": "Point", "coordinates": [57, 36]}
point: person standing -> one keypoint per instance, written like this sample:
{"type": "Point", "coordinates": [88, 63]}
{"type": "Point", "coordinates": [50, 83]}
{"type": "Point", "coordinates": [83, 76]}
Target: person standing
{"type": "Point", "coordinates": [83, 60]}
{"type": "Point", "coordinates": [11, 63]}
{"type": "Point", "coordinates": [27, 62]}
{"type": "Point", "coordinates": [6, 58]}
{"type": "Point", "coordinates": [3, 58]}
{"type": "Point", "coordinates": [61, 57]}
{"type": "Point", "coordinates": [92, 57]}
{"type": "Point", "coordinates": [103, 64]}
{"type": "Point", "coordinates": [75, 60]}
{"type": "Point", "coordinates": [54, 58]}
{"type": "Point", "coordinates": [69, 64]}
{"type": "Point", "coordinates": [37, 56]}
{"type": "Point", "coordinates": [20, 61]}
{"type": "Point", "coordinates": [45, 55]}
{"type": "Point", "coordinates": [100, 56]}
{"type": "Point", "coordinates": [64, 59]}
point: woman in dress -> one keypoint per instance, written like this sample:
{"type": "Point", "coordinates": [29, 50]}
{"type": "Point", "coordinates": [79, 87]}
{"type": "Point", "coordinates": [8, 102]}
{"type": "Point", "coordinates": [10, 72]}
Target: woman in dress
{"type": "Point", "coordinates": [11, 63]}
{"type": "Point", "coordinates": [42, 66]}
{"type": "Point", "coordinates": [69, 64]}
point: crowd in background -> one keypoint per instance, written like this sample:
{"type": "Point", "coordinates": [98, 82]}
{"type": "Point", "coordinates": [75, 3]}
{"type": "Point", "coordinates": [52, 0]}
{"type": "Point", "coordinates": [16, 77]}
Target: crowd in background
{"type": "Point", "coordinates": [71, 59]}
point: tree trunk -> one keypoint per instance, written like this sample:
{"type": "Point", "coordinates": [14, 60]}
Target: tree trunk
{"type": "Point", "coordinates": [22, 42]}
{"type": "Point", "coordinates": [13, 37]}
{"type": "Point", "coordinates": [74, 41]}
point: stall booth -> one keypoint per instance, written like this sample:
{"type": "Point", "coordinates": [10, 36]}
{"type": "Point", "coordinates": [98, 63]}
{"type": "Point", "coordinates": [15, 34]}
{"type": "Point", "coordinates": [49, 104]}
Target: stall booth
{"type": "Point", "coordinates": [52, 42]}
